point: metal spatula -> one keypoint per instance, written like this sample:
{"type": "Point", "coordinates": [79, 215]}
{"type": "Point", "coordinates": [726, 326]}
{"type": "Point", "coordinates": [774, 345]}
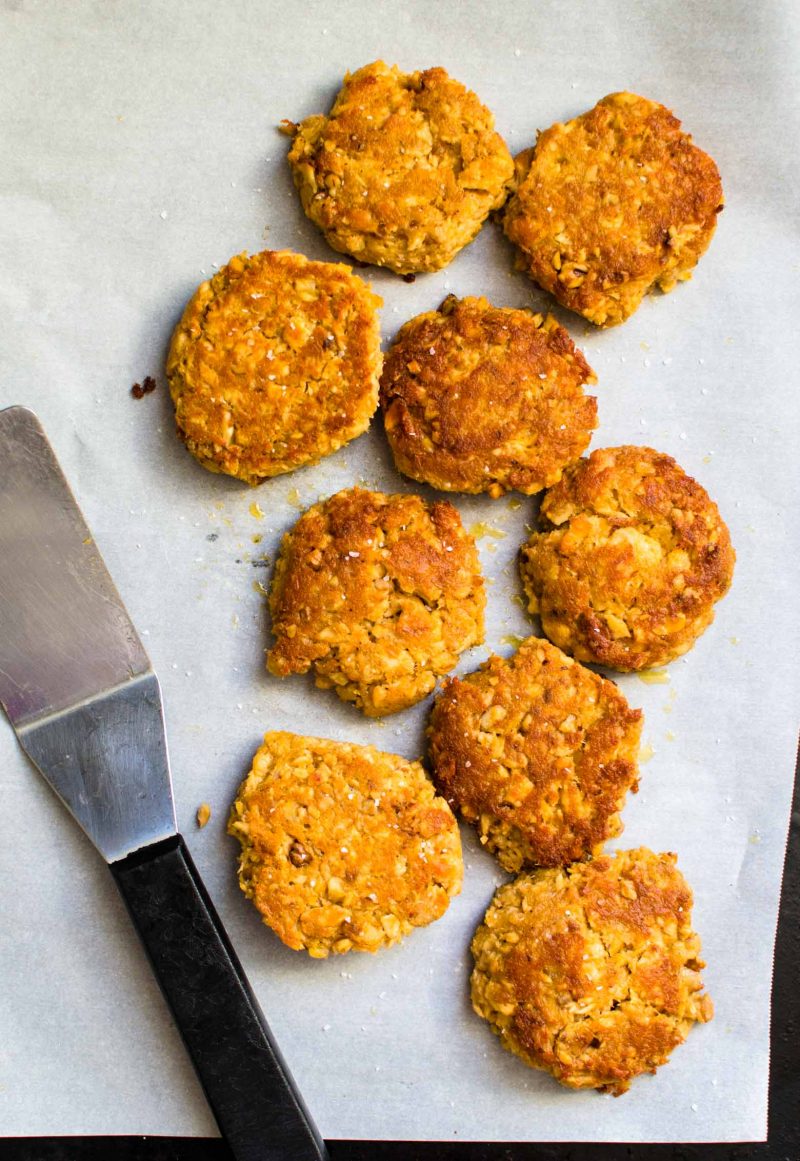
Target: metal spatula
{"type": "Point", "coordinates": [86, 706]}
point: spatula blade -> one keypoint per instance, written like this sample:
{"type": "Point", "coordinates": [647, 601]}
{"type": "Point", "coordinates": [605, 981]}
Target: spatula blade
{"type": "Point", "coordinates": [74, 678]}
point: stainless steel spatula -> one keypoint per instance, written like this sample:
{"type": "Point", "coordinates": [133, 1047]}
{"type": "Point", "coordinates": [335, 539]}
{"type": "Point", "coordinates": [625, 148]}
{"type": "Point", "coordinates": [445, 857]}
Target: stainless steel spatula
{"type": "Point", "coordinates": [86, 706]}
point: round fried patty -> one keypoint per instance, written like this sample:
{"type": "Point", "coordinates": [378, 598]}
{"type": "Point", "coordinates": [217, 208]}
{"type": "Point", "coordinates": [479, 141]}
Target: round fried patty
{"type": "Point", "coordinates": [343, 847]}
{"type": "Point", "coordinates": [403, 171]}
{"type": "Point", "coordinates": [479, 398]}
{"type": "Point", "coordinates": [592, 972]}
{"type": "Point", "coordinates": [611, 205]}
{"type": "Point", "coordinates": [378, 594]}
{"type": "Point", "coordinates": [538, 752]}
{"type": "Point", "coordinates": [274, 364]}
{"type": "Point", "coordinates": [629, 560]}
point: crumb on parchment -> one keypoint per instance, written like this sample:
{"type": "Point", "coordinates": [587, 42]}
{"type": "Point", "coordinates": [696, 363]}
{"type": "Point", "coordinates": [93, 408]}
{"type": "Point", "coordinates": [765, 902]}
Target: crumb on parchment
{"type": "Point", "coordinates": [146, 387]}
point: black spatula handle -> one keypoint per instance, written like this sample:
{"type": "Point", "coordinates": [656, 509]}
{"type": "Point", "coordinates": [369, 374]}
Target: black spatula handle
{"type": "Point", "coordinates": [249, 1088]}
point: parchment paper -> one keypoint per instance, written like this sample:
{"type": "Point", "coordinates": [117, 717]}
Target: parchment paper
{"type": "Point", "coordinates": [140, 151]}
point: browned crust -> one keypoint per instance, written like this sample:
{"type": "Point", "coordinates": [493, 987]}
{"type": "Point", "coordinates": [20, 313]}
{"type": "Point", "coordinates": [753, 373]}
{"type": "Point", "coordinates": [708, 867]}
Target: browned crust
{"type": "Point", "coordinates": [478, 398]}
{"type": "Point", "coordinates": [343, 847]}
{"type": "Point", "coordinates": [403, 171]}
{"type": "Point", "coordinates": [378, 594]}
{"type": "Point", "coordinates": [274, 364]}
{"type": "Point", "coordinates": [630, 557]}
{"type": "Point", "coordinates": [538, 752]}
{"type": "Point", "coordinates": [592, 972]}
{"type": "Point", "coordinates": [612, 205]}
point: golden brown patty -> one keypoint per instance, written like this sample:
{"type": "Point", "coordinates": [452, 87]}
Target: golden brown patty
{"type": "Point", "coordinates": [379, 595]}
{"type": "Point", "coordinates": [630, 557]}
{"type": "Point", "coordinates": [592, 972]}
{"type": "Point", "coordinates": [611, 205]}
{"type": "Point", "coordinates": [538, 752]}
{"type": "Point", "coordinates": [404, 170]}
{"type": "Point", "coordinates": [343, 847]}
{"type": "Point", "coordinates": [479, 398]}
{"type": "Point", "coordinates": [274, 364]}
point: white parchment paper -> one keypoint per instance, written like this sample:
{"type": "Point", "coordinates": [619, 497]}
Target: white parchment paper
{"type": "Point", "coordinates": [140, 151]}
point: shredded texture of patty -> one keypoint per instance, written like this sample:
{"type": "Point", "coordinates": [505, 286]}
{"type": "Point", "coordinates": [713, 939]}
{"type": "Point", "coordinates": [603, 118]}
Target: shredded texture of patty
{"type": "Point", "coordinates": [403, 171]}
{"type": "Point", "coordinates": [378, 595]}
{"type": "Point", "coordinates": [592, 972]}
{"type": "Point", "coordinates": [538, 752]}
{"type": "Point", "coordinates": [612, 205]}
{"type": "Point", "coordinates": [274, 364]}
{"type": "Point", "coordinates": [478, 398]}
{"type": "Point", "coordinates": [343, 847]}
{"type": "Point", "coordinates": [629, 560]}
